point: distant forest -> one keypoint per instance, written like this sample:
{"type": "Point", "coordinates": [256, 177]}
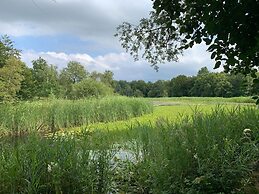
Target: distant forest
{"type": "Point", "coordinates": [205, 84]}
{"type": "Point", "coordinates": [43, 80]}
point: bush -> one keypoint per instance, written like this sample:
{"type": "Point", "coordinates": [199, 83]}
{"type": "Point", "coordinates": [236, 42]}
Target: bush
{"type": "Point", "coordinates": [90, 88]}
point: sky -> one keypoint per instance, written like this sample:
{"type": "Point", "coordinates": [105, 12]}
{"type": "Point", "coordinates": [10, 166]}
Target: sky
{"type": "Point", "coordinates": [83, 30]}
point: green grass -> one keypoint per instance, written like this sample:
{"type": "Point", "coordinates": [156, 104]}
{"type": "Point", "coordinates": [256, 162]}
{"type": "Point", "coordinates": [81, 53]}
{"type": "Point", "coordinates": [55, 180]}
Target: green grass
{"type": "Point", "coordinates": [172, 109]}
{"type": "Point", "coordinates": [205, 153]}
{"type": "Point", "coordinates": [204, 100]}
{"type": "Point", "coordinates": [54, 115]}
{"type": "Point", "coordinates": [193, 146]}
{"type": "Point", "coordinates": [201, 153]}
{"type": "Point", "coordinates": [172, 113]}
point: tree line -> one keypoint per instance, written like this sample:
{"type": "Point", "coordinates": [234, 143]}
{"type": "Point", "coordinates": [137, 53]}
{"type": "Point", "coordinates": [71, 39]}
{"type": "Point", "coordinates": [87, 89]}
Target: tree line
{"type": "Point", "coordinates": [204, 84]}
{"type": "Point", "coordinates": [44, 80]}
{"type": "Point", "coordinates": [230, 29]}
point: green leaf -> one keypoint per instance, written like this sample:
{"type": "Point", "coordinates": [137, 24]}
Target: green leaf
{"type": "Point", "coordinates": [213, 55]}
{"type": "Point", "coordinates": [184, 41]}
{"type": "Point", "coordinates": [198, 40]}
{"type": "Point", "coordinates": [212, 47]}
{"type": "Point", "coordinates": [255, 97]}
{"type": "Point", "coordinates": [256, 81]}
{"type": "Point", "coordinates": [207, 41]}
{"type": "Point", "coordinates": [217, 65]}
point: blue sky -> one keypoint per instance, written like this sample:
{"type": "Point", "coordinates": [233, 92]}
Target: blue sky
{"type": "Point", "coordinates": [82, 30]}
{"type": "Point", "coordinates": [60, 43]}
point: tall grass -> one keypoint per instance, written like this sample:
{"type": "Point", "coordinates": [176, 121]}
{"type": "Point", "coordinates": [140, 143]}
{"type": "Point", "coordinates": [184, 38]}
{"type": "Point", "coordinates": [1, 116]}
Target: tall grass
{"type": "Point", "coordinates": [58, 114]}
{"type": "Point", "coordinates": [204, 153]}
{"type": "Point", "coordinates": [60, 165]}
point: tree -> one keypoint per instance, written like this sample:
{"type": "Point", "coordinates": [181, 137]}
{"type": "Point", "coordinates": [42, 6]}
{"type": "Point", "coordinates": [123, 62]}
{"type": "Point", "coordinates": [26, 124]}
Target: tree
{"type": "Point", "coordinates": [45, 78]}
{"type": "Point", "coordinates": [27, 85]}
{"type": "Point", "coordinates": [107, 78]}
{"type": "Point", "coordinates": [122, 87]}
{"type": "Point", "coordinates": [204, 84]}
{"type": "Point", "coordinates": [10, 79]}
{"type": "Point", "coordinates": [73, 73]}
{"type": "Point", "coordinates": [238, 84]}
{"type": "Point", "coordinates": [203, 71]}
{"type": "Point", "coordinates": [96, 76]}
{"type": "Point", "coordinates": [230, 29]}
{"type": "Point", "coordinates": [7, 50]}
{"type": "Point", "coordinates": [140, 88]}
{"type": "Point", "coordinates": [159, 89]}
{"type": "Point", "coordinates": [251, 88]}
{"type": "Point", "coordinates": [90, 88]}
{"type": "Point", "coordinates": [180, 86]}
{"type": "Point", "coordinates": [10, 69]}
{"type": "Point", "coordinates": [223, 87]}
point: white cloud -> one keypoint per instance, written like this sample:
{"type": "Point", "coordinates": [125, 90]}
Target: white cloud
{"type": "Point", "coordinates": [124, 67]}
{"type": "Point", "coordinates": [61, 59]}
{"type": "Point", "coordinates": [94, 21]}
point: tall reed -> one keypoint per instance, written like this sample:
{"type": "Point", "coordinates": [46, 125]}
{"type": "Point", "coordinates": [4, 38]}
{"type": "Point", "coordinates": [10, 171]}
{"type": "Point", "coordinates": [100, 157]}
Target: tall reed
{"type": "Point", "coordinates": [204, 153]}
{"type": "Point", "coordinates": [57, 114]}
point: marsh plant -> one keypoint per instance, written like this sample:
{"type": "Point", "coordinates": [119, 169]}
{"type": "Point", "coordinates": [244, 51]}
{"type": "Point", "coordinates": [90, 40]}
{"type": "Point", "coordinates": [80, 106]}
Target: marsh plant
{"type": "Point", "coordinates": [53, 115]}
{"type": "Point", "coordinates": [204, 153]}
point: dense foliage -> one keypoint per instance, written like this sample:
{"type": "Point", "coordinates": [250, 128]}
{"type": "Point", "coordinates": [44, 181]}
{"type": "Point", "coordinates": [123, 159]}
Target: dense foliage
{"type": "Point", "coordinates": [229, 28]}
{"type": "Point", "coordinates": [205, 83]}
{"type": "Point", "coordinates": [44, 80]}
{"type": "Point", "coordinates": [214, 153]}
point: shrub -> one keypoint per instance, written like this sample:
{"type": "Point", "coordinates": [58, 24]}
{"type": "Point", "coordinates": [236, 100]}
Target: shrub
{"type": "Point", "coordinates": [90, 88]}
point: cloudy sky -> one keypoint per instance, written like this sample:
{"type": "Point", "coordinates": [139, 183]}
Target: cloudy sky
{"type": "Point", "coordinates": [82, 30]}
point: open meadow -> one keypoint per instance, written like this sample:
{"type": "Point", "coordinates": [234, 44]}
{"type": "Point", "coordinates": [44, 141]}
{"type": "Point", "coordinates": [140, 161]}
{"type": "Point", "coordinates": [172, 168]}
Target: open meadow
{"type": "Point", "coordinates": [130, 145]}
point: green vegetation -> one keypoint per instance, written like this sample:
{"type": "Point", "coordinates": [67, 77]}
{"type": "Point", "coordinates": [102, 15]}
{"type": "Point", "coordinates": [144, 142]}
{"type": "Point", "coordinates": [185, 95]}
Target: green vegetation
{"type": "Point", "coordinates": [203, 153]}
{"type": "Point", "coordinates": [18, 82]}
{"type": "Point", "coordinates": [228, 28]}
{"type": "Point", "coordinates": [62, 132]}
{"type": "Point", "coordinates": [172, 109]}
{"type": "Point", "coordinates": [204, 100]}
{"type": "Point", "coordinates": [54, 115]}
{"type": "Point", "coordinates": [204, 84]}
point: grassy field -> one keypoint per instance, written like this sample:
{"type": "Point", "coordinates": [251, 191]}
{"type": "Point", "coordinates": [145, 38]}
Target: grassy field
{"type": "Point", "coordinates": [185, 146]}
{"type": "Point", "coordinates": [174, 109]}
{"type": "Point", "coordinates": [204, 100]}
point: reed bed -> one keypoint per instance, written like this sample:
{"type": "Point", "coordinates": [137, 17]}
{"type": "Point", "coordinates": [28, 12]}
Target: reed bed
{"type": "Point", "coordinates": [210, 153]}
{"type": "Point", "coordinates": [53, 115]}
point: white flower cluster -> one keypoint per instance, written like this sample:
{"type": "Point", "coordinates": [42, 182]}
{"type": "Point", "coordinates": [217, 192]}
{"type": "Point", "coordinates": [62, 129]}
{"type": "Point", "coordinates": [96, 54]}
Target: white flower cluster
{"type": "Point", "coordinates": [52, 166]}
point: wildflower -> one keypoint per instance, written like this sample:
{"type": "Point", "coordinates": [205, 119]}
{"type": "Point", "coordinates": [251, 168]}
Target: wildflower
{"type": "Point", "coordinates": [247, 131]}
{"type": "Point", "coordinates": [51, 166]}
{"type": "Point", "coordinates": [247, 135]}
